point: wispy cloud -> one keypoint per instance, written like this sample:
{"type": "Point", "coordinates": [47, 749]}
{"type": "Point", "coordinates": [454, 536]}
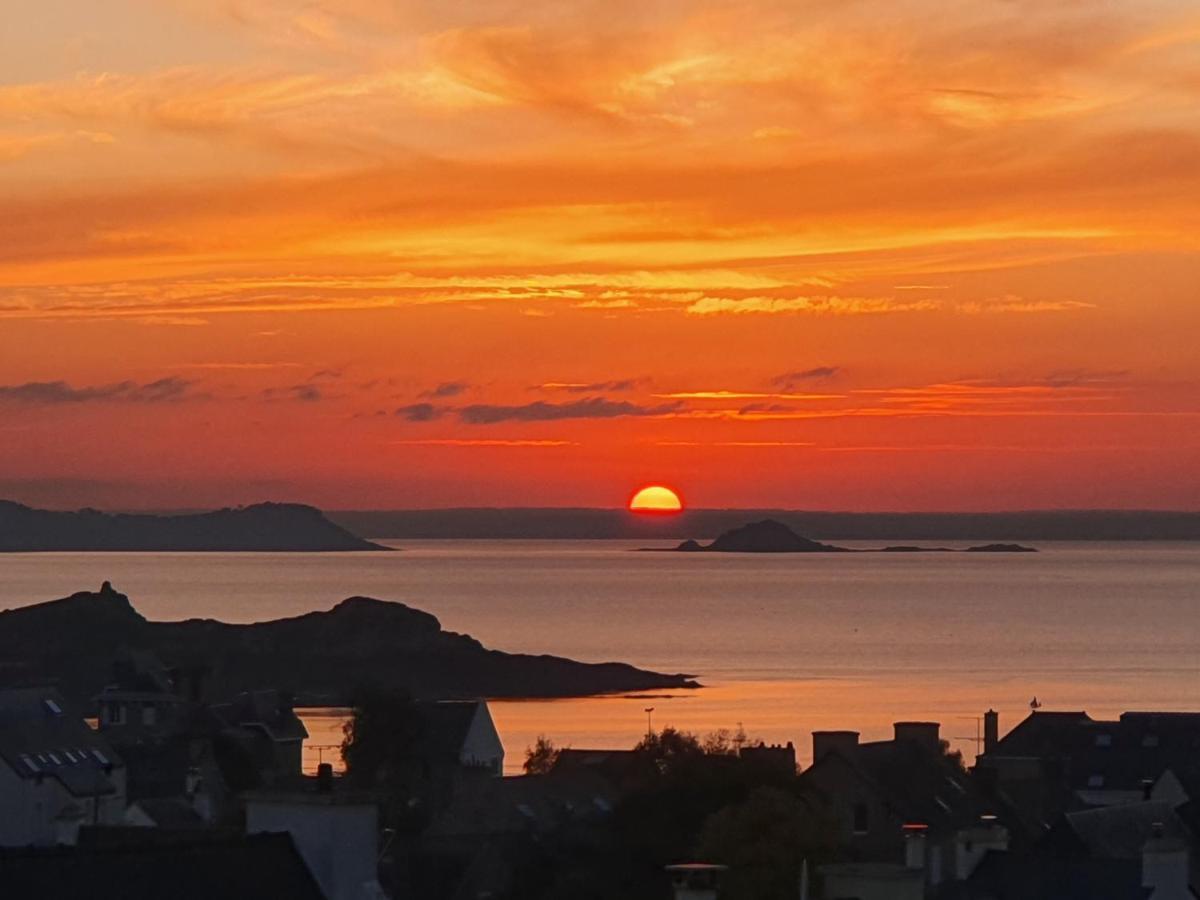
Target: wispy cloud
{"type": "Point", "coordinates": [789, 380]}
{"type": "Point", "coordinates": [593, 387]}
{"type": "Point", "coordinates": [485, 442]}
{"type": "Point", "coordinates": [421, 412]}
{"type": "Point", "coordinates": [447, 389]}
{"type": "Point", "coordinates": [49, 393]}
{"type": "Point", "coordinates": [539, 411]}
{"type": "Point", "coordinates": [832, 306]}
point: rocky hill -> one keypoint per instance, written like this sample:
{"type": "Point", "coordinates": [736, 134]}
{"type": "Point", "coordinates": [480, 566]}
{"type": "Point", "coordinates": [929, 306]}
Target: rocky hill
{"type": "Point", "coordinates": [263, 526]}
{"type": "Point", "coordinates": [321, 656]}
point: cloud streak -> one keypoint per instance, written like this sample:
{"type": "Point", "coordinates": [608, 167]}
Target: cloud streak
{"type": "Point", "coordinates": [54, 393]}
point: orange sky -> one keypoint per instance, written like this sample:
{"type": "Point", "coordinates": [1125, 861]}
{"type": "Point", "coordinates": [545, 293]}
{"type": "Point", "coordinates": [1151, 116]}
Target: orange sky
{"type": "Point", "coordinates": [855, 255]}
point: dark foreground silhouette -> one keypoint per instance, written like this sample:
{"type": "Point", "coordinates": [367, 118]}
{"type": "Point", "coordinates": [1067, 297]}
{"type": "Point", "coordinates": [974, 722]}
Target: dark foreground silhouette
{"type": "Point", "coordinates": [321, 657]}
{"type": "Point", "coordinates": [263, 527]}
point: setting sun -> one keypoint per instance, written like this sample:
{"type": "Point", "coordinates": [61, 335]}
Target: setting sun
{"type": "Point", "coordinates": [656, 499]}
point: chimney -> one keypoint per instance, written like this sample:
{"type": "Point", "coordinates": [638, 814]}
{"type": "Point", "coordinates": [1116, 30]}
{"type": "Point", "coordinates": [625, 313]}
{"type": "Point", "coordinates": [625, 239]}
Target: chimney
{"type": "Point", "coordinates": [927, 734]}
{"type": "Point", "coordinates": [325, 778]}
{"type": "Point", "coordinates": [824, 741]}
{"type": "Point", "coordinates": [914, 845]}
{"type": "Point", "coordinates": [1165, 866]}
{"type": "Point", "coordinates": [991, 730]}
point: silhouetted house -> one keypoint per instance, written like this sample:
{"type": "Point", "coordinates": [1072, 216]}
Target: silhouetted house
{"type": "Point", "coordinates": [1055, 762]}
{"type": "Point", "coordinates": [870, 791]}
{"type": "Point", "coordinates": [56, 773]}
{"type": "Point", "coordinates": [179, 748]}
{"type": "Point", "coordinates": [620, 769]}
{"type": "Point", "coordinates": [336, 831]}
{"type": "Point", "coordinates": [251, 867]}
{"type": "Point", "coordinates": [1115, 853]}
{"type": "Point", "coordinates": [461, 733]}
{"type": "Point", "coordinates": [266, 725]}
{"type": "Point", "coordinates": [776, 757]}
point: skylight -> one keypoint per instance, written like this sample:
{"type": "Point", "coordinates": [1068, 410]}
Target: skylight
{"type": "Point", "coordinates": [53, 707]}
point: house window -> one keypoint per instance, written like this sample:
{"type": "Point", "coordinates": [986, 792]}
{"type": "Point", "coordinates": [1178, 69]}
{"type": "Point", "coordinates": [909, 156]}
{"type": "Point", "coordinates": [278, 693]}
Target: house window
{"type": "Point", "coordinates": [1150, 740]}
{"type": "Point", "coordinates": [149, 715]}
{"type": "Point", "coordinates": [1104, 740]}
{"type": "Point", "coordinates": [1096, 781]}
{"type": "Point", "coordinates": [862, 821]}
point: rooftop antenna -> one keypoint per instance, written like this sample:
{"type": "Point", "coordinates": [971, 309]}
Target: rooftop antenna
{"type": "Point", "coordinates": [978, 739]}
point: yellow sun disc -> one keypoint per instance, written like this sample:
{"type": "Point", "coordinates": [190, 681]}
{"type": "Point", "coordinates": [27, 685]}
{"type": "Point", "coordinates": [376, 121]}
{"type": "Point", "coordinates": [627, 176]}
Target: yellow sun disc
{"type": "Point", "coordinates": [656, 499]}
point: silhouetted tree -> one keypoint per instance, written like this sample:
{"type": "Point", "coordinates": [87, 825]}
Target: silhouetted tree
{"type": "Point", "coordinates": [540, 758]}
{"type": "Point", "coordinates": [381, 736]}
{"type": "Point", "coordinates": [764, 840]}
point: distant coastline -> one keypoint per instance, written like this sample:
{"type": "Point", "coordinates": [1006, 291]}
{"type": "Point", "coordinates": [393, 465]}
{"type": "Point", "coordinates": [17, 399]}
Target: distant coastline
{"type": "Point", "coordinates": [707, 524]}
{"type": "Point", "coordinates": [273, 527]}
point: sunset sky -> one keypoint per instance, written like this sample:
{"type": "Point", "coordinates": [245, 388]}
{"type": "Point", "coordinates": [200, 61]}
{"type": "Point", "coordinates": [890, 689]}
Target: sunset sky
{"type": "Point", "coordinates": [839, 254]}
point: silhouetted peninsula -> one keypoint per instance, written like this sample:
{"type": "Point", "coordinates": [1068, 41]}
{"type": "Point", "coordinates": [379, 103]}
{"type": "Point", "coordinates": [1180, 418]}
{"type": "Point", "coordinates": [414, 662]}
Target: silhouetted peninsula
{"type": "Point", "coordinates": [262, 527]}
{"type": "Point", "coordinates": [321, 656]}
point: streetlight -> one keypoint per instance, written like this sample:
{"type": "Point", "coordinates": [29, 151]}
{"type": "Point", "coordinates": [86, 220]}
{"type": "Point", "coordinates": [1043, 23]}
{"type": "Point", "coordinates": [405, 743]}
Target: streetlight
{"type": "Point", "coordinates": [649, 710]}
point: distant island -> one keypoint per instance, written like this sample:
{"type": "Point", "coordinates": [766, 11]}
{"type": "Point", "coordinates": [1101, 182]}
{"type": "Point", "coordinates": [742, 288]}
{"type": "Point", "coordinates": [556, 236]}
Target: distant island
{"type": "Point", "coordinates": [772, 536]}
{"type": "Point", "coordinates": [767, 536]}
{"type": "Point", "coordinates": [320, 657]}
{"type": "Point", "coordinates": [261, 527]}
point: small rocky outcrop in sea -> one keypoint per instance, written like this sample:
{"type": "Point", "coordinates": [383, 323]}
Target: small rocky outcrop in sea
{"type": "Point", "coordinates": [1001, 548]}
{"type": "Point", "coordinates": [767, 536]}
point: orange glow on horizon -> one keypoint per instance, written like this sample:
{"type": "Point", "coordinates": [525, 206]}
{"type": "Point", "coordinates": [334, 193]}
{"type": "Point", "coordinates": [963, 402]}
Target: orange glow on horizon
{"type": "Point", "coordinates": [656, 499]}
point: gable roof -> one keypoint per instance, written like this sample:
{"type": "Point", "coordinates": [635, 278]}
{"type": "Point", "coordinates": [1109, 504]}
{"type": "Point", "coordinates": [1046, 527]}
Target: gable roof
{"type": "Point", "coordinates": [447, 723]}
{"type": "Point", "coordinates": [265, 711]}
{"type": "Point", "coordinates": [41, 736]}
{"type": "Point", "coordinates": [247, 867]}
{"type": "Point", "coordinates": [1120, 832]}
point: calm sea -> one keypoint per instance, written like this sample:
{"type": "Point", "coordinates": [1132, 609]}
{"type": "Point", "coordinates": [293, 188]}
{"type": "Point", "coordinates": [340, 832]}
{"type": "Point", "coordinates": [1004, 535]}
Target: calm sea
{"type": "Point", "coordinates": [784, 644]}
